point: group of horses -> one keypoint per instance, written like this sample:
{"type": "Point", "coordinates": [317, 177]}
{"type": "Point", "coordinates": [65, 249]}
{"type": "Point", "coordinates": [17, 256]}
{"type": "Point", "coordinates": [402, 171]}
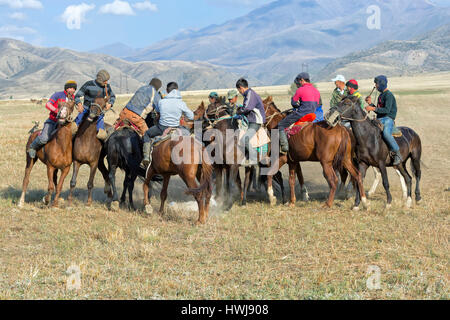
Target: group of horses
{"type": "Point", "coordinates": [339, 150]}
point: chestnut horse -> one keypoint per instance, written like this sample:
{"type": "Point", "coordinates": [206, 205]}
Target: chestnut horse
{"type": "Point", "coordinates": [316, 142]}
{"type": "Point", "coordinates": [56, 154]}
{"type": "Point", "coordinates": [191, 162]}
{"type": "Point", "coordinates": [87, 149]}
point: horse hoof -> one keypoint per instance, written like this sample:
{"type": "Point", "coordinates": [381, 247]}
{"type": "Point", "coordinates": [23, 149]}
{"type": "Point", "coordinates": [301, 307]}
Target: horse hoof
{"type": "Point", "coordinates": [388, 206]}
{"type": "Point", "coordinates": [291, 205]}
{"type": "Point", "coordinates": [45, 201]}
{"type": "Point", "coordinates": [370, 194]}
{"type": "Point", "coordinates": [148, 209]}
{"type": "Point", "coordinates": [365, 203]}
{"type": "Point", "coordinates": [273, 202]}
{"type": "Point", "coordinates": [419, 201]}
{"type": "Point", "coordinates": [356, 209]}
{"type": "Point", "coordinates": [409, 203]}
{"type": "Point", "coordinates": [115, 206]}
{"type": "Point", "coordinates": [306, 198]}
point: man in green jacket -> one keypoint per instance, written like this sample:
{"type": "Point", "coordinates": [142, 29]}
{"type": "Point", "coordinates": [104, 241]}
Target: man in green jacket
{"type": "Point", "coordinates": [339, 92]}
{"type": "Point", "coordinates": [386, 111]}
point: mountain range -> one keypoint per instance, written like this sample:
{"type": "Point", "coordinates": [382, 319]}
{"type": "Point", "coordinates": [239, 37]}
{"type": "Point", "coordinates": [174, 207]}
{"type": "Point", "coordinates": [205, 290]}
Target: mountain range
{"type": "Point", "coordinates": [30, 71]}
{"type": "Point", "coordinates": [272, 42]}
{"type": "Point", "coordinates": [427, 53]}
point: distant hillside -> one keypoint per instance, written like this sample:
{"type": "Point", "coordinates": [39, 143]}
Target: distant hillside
{"type": "Point", "coordinates": [427, 53]}
{"type": "Point", "coordinates": [272, 42]}
{"type": "Point", "coordinates": [30, 71]}
{"type": "Point", "coordinates": [118, 50]}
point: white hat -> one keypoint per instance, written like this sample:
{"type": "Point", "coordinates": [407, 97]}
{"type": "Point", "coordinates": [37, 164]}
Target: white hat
{"type": "Point", "coordinates": [339, 77]}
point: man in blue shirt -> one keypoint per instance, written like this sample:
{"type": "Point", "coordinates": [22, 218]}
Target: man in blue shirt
{"type": "Point", "coordinates": [170, 110]}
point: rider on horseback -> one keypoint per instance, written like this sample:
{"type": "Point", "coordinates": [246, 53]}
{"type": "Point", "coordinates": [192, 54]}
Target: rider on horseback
{"type": "Point", "coordinates": [50, 125]}
{"type": "Point", "coordinates": [254, 110]}
{"type": "Point", "coordinates": [144, 101]}
{"type": "Point", "coordinates": [306, 101]}
{"type": "Point", "coordinates": [386, 113]}
{"type": "Point", "coordinates": [232, 105]}
{"type": "Point", "coordinates": [170, 110]}
{"type": "Point", "coordinates": [352, 88]}
{"type": "Point", "coordinates": [91, 90]}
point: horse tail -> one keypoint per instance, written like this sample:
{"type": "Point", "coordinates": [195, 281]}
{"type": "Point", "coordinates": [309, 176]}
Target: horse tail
{"type": "Point", "coordinates": [206, 183]}
{"type": "Point", "coordinates": [342, 151]}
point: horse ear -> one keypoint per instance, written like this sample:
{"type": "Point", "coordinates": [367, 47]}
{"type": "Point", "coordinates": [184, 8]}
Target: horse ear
{"type": "Point", "coordinates": [270, 98]}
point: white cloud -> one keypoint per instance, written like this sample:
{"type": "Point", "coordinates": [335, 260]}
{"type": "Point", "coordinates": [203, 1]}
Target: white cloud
{"type": "Point", "coordinates": [22, 4]}
{"type": "Point", "coordinates": [146, 5]}
{"type": "Point", "coordinates": [117, 7]}
{"type": "Point", "coordinates": [18, 15]}
{"type": "Point", "coordinates": [15, 32]}
{"type": "Point", "coordinates": [74, 15]}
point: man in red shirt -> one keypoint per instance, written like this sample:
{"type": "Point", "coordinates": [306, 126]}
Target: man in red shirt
{"type": "Point", "coordinates": [305, 101]}
{"type": "Point", "coordinates": [52, 122]}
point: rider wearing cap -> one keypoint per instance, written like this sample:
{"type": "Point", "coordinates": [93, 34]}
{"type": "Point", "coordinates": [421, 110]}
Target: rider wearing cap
{"type": "Point", "coordinates": [213, 97]}
{"type": "Point", "coordinates": [386, 111]}
{"type": "Point", "coordinates": [352, 88]}
{"type": "Point", "coordinates": [305, 101]}
{"type": "Point", "coordinates": [51, 124]}
{"type": "Point", "coordinates": [90, 91]}
{"type": "Point", "coordinates": [232, 105]}
{"type": "Point", "coordinates": [339, 92]}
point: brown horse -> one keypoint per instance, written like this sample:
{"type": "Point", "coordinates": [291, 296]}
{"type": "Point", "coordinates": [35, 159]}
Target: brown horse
{"type": "Point", "coordinates": [87, 149]}
{"type": "Point", "coordinates": [56, 154]}
{"type": "Point", "coordinates": [316, 142]}
{"type": "Point", "coordinates": [191, 162]}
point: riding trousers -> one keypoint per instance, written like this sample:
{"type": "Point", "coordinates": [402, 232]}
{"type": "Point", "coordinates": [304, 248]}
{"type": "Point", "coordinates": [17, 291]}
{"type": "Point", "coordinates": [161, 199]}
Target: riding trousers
{"type": "Point", "coordinates": [388, 128]}
{"type": "Point", "coordinates": [154, 131]}
{"type": "Point", "coordinates": [100, 119]}
{"type": "Point", "coordinates": [253, 128]}
{"type": "Point", "coordinates": [48, 131]}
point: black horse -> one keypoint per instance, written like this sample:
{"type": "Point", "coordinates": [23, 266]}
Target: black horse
{"type": "Point", "coordinates": [124, 151]}
{"type": "Point", "coordinates": [371, 150]}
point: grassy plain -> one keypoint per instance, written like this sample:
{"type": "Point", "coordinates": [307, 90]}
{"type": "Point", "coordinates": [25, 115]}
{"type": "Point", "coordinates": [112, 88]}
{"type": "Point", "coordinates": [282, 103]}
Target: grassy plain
{"type": "Point", "coordinates": [252, 252]}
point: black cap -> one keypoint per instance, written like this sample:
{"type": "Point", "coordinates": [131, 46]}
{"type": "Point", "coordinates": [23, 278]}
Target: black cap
{"type": "Point", "coordinates": [304, 76]}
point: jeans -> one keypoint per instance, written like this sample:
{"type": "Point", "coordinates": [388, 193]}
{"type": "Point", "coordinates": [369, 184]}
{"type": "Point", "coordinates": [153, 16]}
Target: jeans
{"type": "Point", "coordinates": [319, 114]}
{"type": "Point", "coordinates": [388, 124]}
{"type": "Point", "coordinates": [47, 131]}
{"type": "Point", "coordinates": [154, 131]}
{"type": "Point", "coordinates": [100, 119]}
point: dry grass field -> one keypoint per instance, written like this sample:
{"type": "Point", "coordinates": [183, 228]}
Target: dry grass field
{"type": "Point", "coordinates": [252, 252]}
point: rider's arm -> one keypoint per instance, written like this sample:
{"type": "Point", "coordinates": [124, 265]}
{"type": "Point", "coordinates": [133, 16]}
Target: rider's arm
{"type": "Point", "coordinates": [81, 93]}
{"type": "Point", "coordinates": [187, 112]}
{"type": "Point", "coordinates": [51, 105]}
{"type": "Point", "coordinates": [250, 103]}
{"type": "Point", "coordinates": [296, 99]}
{"type": "Point", "coordinates": [112, 95]}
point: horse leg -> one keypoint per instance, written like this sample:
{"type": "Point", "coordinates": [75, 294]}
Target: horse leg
{"type": "Point", "coordinates": [376, 182]}
{"type": "Point", "coordinates": [403, 183]}
{"type": "Point", "coordinates": [418, 174]}
{"type": "Point", "coordinates": [104, 172]}
{"type": "Point", "coordinates": [279, 179]}
{"type": "Point", "coordinates": [219, 183]}
{"type": "Point", "coordinates": [292, 173]}
{"type": "Point", "coordinates": [191, 184]}
{"type": "Point", "coordinates": [64, 173]}
{"type": "Point", "coordinates": [357, 181]}
{"type": "Point", "coordinates": [332, 180]}
{"type": "Point", "coordinates": [126, 181]}
{"type": "Point", "coordinates": [247, 180]}
{"type": "Point", "coordinates": [112, 179]}
{"type": "Point", "coordinates": [26, 179]}
{"type": "Point", "coordinates": [343, 174]}
{"type": "Point", "coordinates": [164, 193]}
{"type": "Point", "coordinates": [301, 180]}
{"type": "Point", "coordinates": [272, 198]}
{"type": "Point", "coordinates": [385, 178]}
{"type": "Point", "coordinates": [130, 191]}
{"type": "Point", "coordinates": [73, 181]}
{"type": "Point", "coordinates": [51, 185]}
{"type": "Point", "coordinates": [146, 188]}
{"type": "Point", "coordinates": [408, 180]}
{"type": "Point", "coordinates": [90, 184]}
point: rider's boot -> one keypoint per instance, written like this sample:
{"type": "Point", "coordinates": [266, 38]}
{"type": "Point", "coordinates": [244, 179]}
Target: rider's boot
{"type": "Point", "coordinates": [36, 144]}
{"type": "Point", "coordinates": [147, 154]}
{"type": "Point", "coordinates": [102, 135]}
{"type": "Point", "coordinates": [397, 158]}
{"type": "Point", "coordinates": [284, 143]}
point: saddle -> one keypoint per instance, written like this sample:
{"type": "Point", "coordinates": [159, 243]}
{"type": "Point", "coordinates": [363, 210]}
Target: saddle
{"type": "Point", "coordinates": [300, 124]}
{"type": "Point", "coordinates": [168, 134]}
{"type": "Point", "coordinates": [396, 133]}
{"type": "Point", "coordinates": [122, 124]}
{"type": "Point", "coordinates": [259, 141]}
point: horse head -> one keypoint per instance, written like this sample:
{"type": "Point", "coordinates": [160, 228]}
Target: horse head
{"type": "Point", "coordinates": [65, 111]}
{"type": "Point", "coordinates": [349, 108]}
{"type": "Point", "coordinates": [97, 107]}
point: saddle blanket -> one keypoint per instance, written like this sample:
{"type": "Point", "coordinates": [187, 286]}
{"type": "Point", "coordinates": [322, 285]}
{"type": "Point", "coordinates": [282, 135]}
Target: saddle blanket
{"type": "Point", "coordinates": [300, 124]}
{"type": "Point", "coordinates": [170, 133]}
{"type": "Point", "coordinates": [260, 139]}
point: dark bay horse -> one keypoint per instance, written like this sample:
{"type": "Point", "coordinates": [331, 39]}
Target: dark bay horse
{"type": "Point", "coordinates": [87, 149]}
{"type": "Point", "coordinates": [372, 150]}
{"type": "Point", "coordinates": [316, 142]}
{"type": "Point", "coordinates": [56, 155]}
{"type": "Point", "coordinates": [191, 162]}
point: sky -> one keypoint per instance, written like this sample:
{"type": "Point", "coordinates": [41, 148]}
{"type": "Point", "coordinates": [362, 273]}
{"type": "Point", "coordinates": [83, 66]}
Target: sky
{"type": "Point", "coordinates": [86, 25]}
